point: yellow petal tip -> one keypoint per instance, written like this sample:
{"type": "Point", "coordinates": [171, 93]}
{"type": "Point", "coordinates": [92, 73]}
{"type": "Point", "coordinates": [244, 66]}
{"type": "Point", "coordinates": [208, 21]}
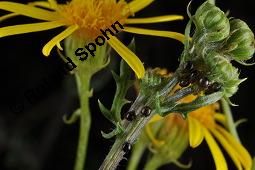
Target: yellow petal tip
{"type": "Point", "coordinates": [45, 52]}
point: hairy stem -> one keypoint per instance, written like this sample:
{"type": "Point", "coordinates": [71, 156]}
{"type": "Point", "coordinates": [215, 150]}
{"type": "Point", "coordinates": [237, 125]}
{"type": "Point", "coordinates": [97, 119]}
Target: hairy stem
{"type": "Point", "coordinates": [83, 83]}
{"type": "Point", "coordinates": [116, 154]}
{"type": "Point", "coordinates": [133, 128]}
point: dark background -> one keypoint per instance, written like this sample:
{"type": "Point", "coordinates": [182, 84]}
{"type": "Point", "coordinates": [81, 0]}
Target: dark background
{"type": "Point", "coordinates": [32, 133]}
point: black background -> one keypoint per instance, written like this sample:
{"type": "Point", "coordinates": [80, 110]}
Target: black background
{"type": "Point", "coordinates": [35, 138]}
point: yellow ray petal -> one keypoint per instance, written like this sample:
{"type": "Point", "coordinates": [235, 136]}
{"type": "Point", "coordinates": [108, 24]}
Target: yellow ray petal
{"type": "Point", "coordinates": [228, 147]}
{"type": "Point", "coordinates": [221, 118]}
{"type": "Point", "coordinates": [7, 16]}
{"type": "Point", "coordinates": [158, 19]}
{"type": "Point", "coordinates": [55, 41]}
{"type": "Point", "coordinates": [196, 134]}
{"type": "Point", "coordinates": [41, 4]}
{"type": "Point", "coordinates": [132, 60]}
{"type": "Point", "coordinates": [137, 5]}
{"type": "Point", "coordinates": [59, 46]}
{"type": "Point", "coordinates": [243, 154]}
{"type": "Point", "coordinates": [218, 157]}
{"type": "Point", "coordinates": [168, 34]}
{"type": "Point", "coordinates": [29, 11]}
{"type": "Point", "coordinates": [53, 4]}
{"type": "Point", "coordinates": [28, 28]}
{"type": "Point", "coordinates": [155, 118]}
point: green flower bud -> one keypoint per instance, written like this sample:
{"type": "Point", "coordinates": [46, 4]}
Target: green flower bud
{"type": "Point", "coordinates": [240, 44]}
{"type": "Point", "coordinates": [220, 70]}
{"type": "Point", "coordinates": [211, 22]}
{"type": "Point", "coordinates": [172, 136]}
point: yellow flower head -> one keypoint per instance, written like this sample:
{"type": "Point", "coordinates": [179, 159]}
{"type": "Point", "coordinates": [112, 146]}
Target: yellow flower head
{"type": "Point", "coordinates": [100, 14]}
{"type": "Point", "coordinates": [85, 18]}
{"type": "Point", "coordinates": [203, 124]}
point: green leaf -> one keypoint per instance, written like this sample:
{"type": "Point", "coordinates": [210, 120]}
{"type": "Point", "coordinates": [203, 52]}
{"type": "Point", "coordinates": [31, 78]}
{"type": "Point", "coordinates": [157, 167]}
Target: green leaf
{"type": "Point", "coordinates": [107, 113]}
{"type": "Point", "coordinates": [73, 118]}
{"type": "Point", "coordinates": [197, 103]}
{"type": "Point", "coordinates": [123, 83]}
{"type": "Point", "coordinates": [118, 130]}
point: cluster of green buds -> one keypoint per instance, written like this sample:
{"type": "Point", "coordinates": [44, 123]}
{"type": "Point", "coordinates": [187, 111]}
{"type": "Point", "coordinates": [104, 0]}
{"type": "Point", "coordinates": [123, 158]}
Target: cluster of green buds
{"type": "Point", "coordinates": [205, 70]}
{"type": "Point", "coordinates": [216, 42]}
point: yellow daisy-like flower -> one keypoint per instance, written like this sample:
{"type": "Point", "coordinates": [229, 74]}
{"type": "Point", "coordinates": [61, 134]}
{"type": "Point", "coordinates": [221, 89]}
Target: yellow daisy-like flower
{"type": "Point", "coordinates": [203, 124]}
{"type": "Point", "coordinates": [85, 18]}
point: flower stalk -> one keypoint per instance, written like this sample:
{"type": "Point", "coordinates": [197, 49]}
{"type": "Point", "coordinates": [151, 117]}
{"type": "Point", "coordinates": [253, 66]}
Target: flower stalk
{"type": "Point", "coordinates": [137, 153]}
{"type": "Point", "coordinates": [83, 73]}
{"type": "Point", "coordinates": [154, 163]}
{"type": "Point", "coordinates": [230, 122]}
{"type": "Point", "coordinates": [83, 84]}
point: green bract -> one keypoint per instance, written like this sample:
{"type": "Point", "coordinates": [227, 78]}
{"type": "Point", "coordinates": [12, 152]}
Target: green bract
{"type": "Point", "coordinates": [240, 44]}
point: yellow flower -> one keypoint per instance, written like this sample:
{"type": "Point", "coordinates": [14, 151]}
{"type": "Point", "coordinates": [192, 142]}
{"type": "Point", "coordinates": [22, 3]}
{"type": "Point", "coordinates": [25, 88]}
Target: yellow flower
{"type": "Point", "coordinates": [85, 18]}
{"type": "Point", "coordinates": [203, 124]}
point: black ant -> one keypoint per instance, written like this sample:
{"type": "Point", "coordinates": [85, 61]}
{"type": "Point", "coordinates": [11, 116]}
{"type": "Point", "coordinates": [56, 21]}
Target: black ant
{"type": "Point", "coordinates": [131, 115]}
{"type": "Point", "coordinates": [126, 147]}
{"type": "Point", "coordinates": [214, 87]}
{"type": "Point", "coordinates": [192, 75]}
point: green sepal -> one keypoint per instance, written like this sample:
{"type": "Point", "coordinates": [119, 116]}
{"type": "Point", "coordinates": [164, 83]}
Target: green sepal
{"type": "Point", "coordinates": [201, 101]}
{"type": "Point", "coordinates": [229, 101]}
{"type": "Point", "coordinates": [244, 63]}
{"type": "Point", "coordinates": [118, 130]}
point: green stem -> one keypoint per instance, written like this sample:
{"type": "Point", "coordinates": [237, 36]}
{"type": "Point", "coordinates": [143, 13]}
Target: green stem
{"type": "Point", "coordinates": [154, 163]}
{"type": "Point", "coordinates": [230, 121]}
{"type": "Point", "coordinates": [253, 164]}
{"type": "Point", "coordinates": [83, 83]}
{"type": "Point", "coordinates": [116, 153]}
{"type": "Point", "coordinates": [137, 153]}
{"type": "Point", "coordinates": [134, 128]}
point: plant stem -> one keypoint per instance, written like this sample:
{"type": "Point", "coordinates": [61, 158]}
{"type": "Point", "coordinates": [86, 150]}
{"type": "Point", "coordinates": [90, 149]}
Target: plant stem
{"type": "Point", "coordinates": [230, 122]}
{"type": "Point", "coordinates": [153, 164]}
{"type": "Point", "coordinates": [83, 84]}
{"type": "Point", "coordinates": [134, 128]}
{"type": "Point", "coordinates": [137, 153]}
{"type": "Point", "coordinates": [116, 153]}
{"type": "Point", "coordinates": [253, 164]}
